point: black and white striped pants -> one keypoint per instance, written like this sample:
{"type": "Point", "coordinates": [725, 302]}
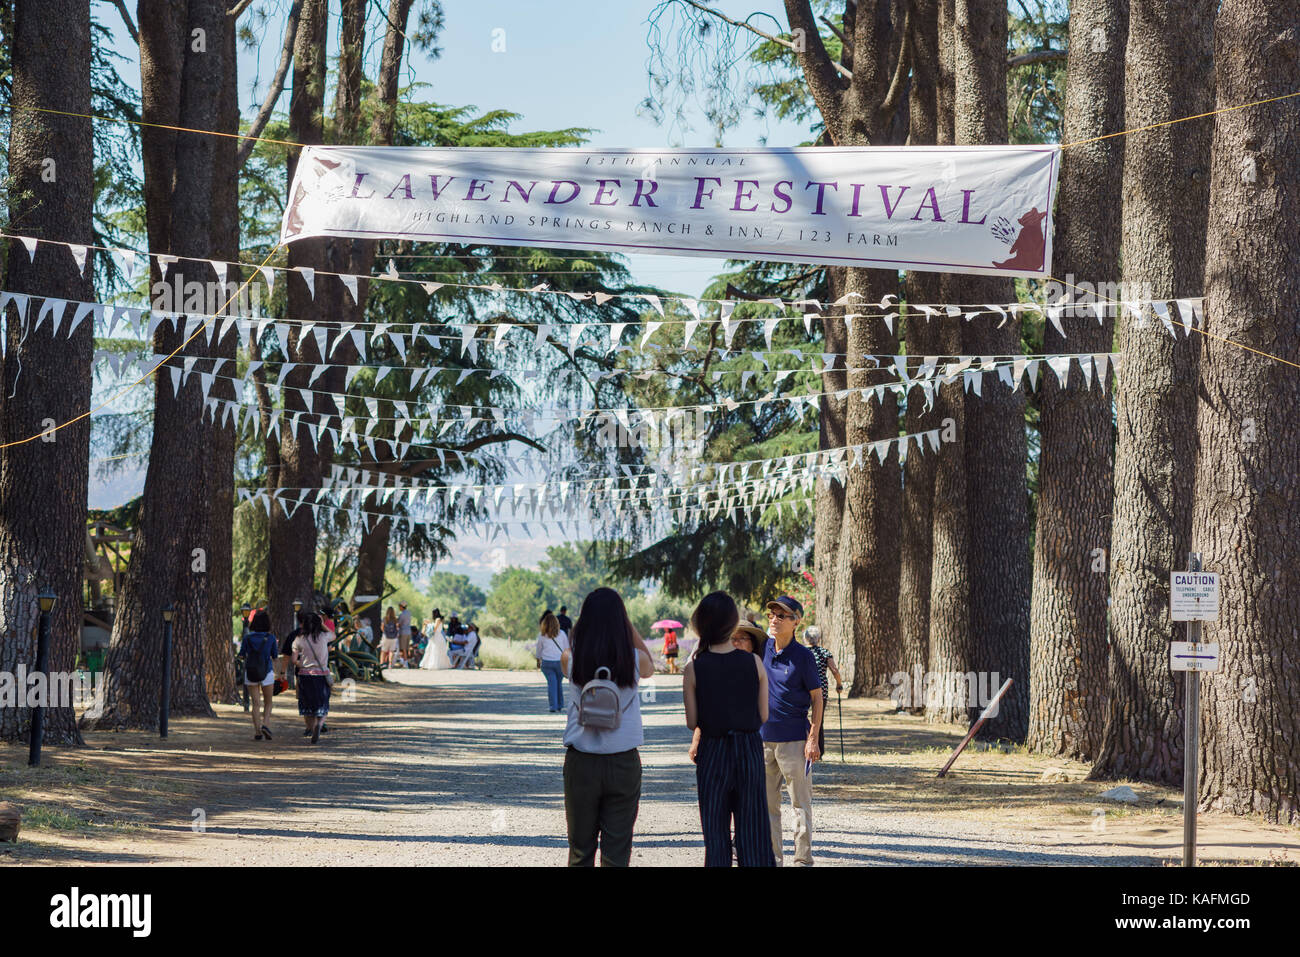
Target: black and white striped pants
{"type": "Point", "coordinates": [730, 777]}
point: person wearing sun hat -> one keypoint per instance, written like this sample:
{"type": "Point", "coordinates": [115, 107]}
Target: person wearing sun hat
{"type": "Point", "coordinates": [790, 739]}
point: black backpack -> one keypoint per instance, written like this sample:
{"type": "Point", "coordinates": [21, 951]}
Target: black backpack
{"type": "Point", "coordinates": [255, 668]}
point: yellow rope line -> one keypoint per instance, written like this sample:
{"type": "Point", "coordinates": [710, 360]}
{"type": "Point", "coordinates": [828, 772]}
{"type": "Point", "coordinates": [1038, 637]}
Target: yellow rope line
{"type": "Point", "coordinates": [115, 397]}
{"type": "Point", "coordinates": [156, 126]}
{"type": "Point", "coordinates": [1182, 119]}
{"type": "Point", "coordinates": [1191, 329]}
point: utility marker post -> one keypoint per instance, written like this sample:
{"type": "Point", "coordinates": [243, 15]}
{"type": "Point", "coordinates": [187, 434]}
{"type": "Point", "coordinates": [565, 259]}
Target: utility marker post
{"type": "Point", "coordinates": [1193, 598]}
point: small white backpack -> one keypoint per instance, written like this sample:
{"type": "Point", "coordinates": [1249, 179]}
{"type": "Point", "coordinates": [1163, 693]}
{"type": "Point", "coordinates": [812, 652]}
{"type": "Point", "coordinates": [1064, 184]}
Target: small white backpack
{"type": "Point", "coordinates": [598, 708]}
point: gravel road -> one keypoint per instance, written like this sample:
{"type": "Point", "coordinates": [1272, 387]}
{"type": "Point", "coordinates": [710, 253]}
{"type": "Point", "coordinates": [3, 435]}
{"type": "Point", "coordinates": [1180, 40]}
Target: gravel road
{"type": "Point", "coordinates": [456, 768]}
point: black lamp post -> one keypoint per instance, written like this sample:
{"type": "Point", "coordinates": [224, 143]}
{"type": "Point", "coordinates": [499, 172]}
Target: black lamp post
{"type": "Point", "coordinates": [165, 704]}
{"type": "Point", "coordinates": [46, 599]}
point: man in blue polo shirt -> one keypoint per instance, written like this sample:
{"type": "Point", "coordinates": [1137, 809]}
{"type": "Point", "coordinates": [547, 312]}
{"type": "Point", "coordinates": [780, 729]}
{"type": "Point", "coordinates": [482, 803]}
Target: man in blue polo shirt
{"type": "Point", "coordinates": [789, 738]}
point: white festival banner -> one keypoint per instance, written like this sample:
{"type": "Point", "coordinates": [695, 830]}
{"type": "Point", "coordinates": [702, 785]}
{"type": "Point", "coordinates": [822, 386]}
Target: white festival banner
{"type": "Point", "coordinates": [962, 209]}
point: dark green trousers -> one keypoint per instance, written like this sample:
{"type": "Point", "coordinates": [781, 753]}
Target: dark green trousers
{"type": "Point", "coordinates": [601, 795]}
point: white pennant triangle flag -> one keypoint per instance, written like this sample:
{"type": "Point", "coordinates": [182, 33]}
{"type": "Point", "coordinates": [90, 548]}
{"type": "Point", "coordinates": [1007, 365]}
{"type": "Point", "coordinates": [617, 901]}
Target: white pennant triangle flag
{"type": "Point", "coordinates": [79, 255]}
{"type": "Point", "coordinates": [350, 284]}
{"type": "Point", "coordinates": [616, 333]}
{"type": "Point", "coordinates": [309, 276]}
{"type": "Point", "coordinates": [268, 276]}
{"type": "Point", "coordinates": [30, 245]}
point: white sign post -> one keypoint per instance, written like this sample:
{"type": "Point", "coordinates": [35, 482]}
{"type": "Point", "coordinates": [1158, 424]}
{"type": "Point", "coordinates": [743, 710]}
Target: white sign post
{"type": "Point", "coordinates": [1193, 598]}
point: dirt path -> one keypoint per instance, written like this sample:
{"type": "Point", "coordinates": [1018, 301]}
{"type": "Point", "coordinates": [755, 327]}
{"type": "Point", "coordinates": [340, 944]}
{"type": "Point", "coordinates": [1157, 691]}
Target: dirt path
{"type": "Point", "coordinates": [465, 768]}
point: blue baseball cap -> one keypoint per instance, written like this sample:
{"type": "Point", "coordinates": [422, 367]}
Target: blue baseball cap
{"type": "Point", "coordinates": [789, 604]}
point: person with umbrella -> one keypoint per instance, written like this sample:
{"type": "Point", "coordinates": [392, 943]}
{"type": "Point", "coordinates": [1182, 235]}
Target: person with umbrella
{"type": "Point", "coordinates": [670, 641]}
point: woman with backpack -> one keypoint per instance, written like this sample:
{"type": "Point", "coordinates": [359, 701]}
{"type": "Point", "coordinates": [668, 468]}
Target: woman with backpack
{"type": "Point", "coordinates": [311, 653]}
{"type": "Point", "coordinates": [725, 692]}
{"type": "Point", "coordinates": [602, 767]}
{"type": "Point", "coordinates": [552, 643]}
{"type": "Point", "coordinates": [258, 651]}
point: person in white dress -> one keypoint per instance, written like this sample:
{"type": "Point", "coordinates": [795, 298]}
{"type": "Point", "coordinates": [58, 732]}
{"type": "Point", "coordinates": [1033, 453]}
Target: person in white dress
{"type": "Point", "coordinates": [435, 656]}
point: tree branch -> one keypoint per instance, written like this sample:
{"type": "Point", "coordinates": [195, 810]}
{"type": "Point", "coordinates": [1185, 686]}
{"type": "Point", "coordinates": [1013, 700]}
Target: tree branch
{"type": "Point", "coordinates": [126, 18]}
{"type": "Point", "coordinates": [277, 87]}
{"type": "Point", "coordinates": [902, 69]}
{"type": "Point", "coordinates": [1036, 56]}
{"type": "Point", "coordinates": [822, 74]}
{"type": "Point", "coordinates": [848, 44]}
{"type": "Point", "coordinates": [779, 41]}
{"type": "Point", "coordinates": [235, 11]}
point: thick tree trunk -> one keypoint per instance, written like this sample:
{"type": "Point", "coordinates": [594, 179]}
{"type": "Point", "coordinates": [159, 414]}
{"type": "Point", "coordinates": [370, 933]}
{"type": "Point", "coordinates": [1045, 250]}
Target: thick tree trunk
{"type": "Point", "coordinates": [830, 491]}
{"type": "Point", "coordinates": [182, 66]}
{"type": "Point", "coordinates": [291, 553]}
{"type": "Point", "coordinates": [1067, 637]}
{"type": "Point", "coordinates": [1166, 184]}
{"type": "Point", "coordinates": [218, 649]}
{"type": "Point", "coordinates": [950, 651]}
{"type": "Point", "coordinates": [949, 643]}
{"type": "Point", "coordinates": [46, 375]}
{"type": "Point", "coordinates": [870, 533]}
{"type": "Point", "coordinates": [1248, 468]}
{"type": "Point", "coordinates": [996, 452]}
{"type": "Point", "coordinates": [922, 338]}
{"type": "Point", "coordinates": [372, 564]}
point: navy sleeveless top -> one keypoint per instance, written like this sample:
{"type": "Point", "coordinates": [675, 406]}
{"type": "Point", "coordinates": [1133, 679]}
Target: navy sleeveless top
{"type": "Point", "coordinates": [726, 693]}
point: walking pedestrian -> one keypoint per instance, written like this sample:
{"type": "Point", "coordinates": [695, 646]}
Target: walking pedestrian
{"type": "Point", "coordinates": [551, 645]}
{"type": "Point", "coordinates": [404, 632]}
{"type": "Point", "coordinates": [258, 651]}
{"type": "Point", "coordinates": [566, 623]}
{"type": "Point", "coordinates": [311, 654]}
{"type": "Point", "coordinates": [825, 659]}
{"type": "Point", "coordinates": [670, 650]}
{"type": "Point", "coordinates": [388, 644]}
{"type": "Point", "coordinates": [789, 738]}
{"type": "Point", "coordinates": [725, 692]}
{"type": "Point", "coordinates": [602, 766]}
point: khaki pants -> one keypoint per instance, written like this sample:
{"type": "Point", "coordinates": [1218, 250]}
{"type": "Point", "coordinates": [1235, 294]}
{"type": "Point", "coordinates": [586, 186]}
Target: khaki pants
{"type": "Point", "coordinates": [785, 760]}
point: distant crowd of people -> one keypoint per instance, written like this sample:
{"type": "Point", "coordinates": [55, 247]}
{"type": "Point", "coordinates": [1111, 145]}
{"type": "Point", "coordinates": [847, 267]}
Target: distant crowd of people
{"type": "Point", "coordinates": [754, 699]}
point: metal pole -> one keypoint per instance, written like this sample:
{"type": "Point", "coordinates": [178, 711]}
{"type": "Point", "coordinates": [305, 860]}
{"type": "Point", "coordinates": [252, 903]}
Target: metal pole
{"type": "Point", "coordinates": [1191, 737]}
{"type": "Point", "coordinates": [165, 704]}
{"type": "Point", "coordinates": [43, 667]}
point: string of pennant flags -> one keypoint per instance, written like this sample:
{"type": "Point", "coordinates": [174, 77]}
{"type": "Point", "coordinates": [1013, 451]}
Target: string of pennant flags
{"type": "Point", "coordinates": [495, 529]}
{"type": "Point", "coordinates": [888, 306]}
{"type": "Point", "coordinates": [535, 501]}
{"type": "Point", "coordinates": [923, 372]}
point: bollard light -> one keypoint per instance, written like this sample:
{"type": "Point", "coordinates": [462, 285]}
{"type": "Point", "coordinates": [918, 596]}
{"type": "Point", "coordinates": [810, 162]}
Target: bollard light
{"type": "Point", "coordinates": [297, 606]}
{"type": "Point", "coordinates": [47, 600]}
{"type": "Point", "coordinates": [168, 612]}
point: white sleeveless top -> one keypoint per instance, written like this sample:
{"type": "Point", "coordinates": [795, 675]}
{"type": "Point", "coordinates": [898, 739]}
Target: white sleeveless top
{"type": "Point", "coordinates": [628, 735]}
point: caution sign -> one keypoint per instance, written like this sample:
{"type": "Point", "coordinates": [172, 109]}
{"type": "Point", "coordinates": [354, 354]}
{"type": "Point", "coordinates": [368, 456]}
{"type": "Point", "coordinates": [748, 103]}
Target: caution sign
{"type": "Point", "coordinates": [1194, 596]}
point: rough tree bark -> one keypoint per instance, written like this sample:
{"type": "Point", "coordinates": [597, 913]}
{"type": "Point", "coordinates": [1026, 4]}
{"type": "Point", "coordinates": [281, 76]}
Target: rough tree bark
{"type": "Point", "coordinates": [830, 492]}
{"type": "Point", "coordinates": [1067, 632]}
{"type": "Point", "coordinates": [1248, 468]}
{"type": "Point", "coordinates": [291, 550]}
{"type": "Point", "coordinates": [949, 652]}
{"type": "Point", "coordinates": [996, 451]}
{"type": "Point", "coordinates": [1168, 67]}
{"type": "Point", "coordinates": [218, 650]}
{"type": "Point", "coordinates": [43, 483]}
{"type": "Point", "coordinates": [859, 112]}
{"type": "Point", "coordinates": [182, 67]}
{"type": "Point", "coordinates": [922, 338]}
